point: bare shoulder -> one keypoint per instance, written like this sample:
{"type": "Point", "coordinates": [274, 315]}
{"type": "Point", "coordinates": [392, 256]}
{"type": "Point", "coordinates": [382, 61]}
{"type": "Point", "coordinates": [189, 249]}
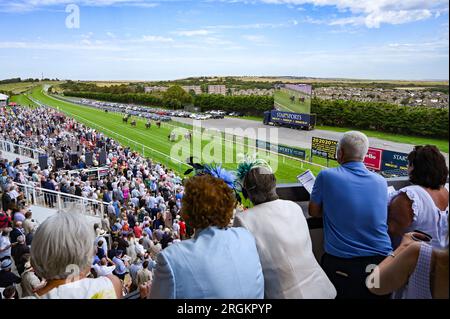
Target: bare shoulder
{"type": "Point", "coordinates": [401, 200]}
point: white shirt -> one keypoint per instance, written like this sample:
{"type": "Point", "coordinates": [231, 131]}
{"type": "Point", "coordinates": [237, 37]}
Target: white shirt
{"type": "Point", "coordinates": [103, 270]}
{"type": "Point", "coordinates": [139, 249]}
{"type": "Point", "coordinates": [4, 242]}
{"type": "Point", "coordinates": [284, 245]}
{"type": "Point", "coordinates": [176, 227]}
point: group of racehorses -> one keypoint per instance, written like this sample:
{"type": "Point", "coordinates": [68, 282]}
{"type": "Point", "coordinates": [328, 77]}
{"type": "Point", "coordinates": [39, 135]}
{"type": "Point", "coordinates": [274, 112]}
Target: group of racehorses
{"type": "Point", "coordinates": [148, 124]}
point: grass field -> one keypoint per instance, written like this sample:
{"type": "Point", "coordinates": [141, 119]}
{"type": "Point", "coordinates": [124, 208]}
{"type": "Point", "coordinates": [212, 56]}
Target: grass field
{"type": "Point", "coordinates": [22, 99]}
{"type": "Point", "coordinates": [283, 102]}
{"type": "Point", "coordinates": [156, 144]}
{"type": "Point", "coordinates": [20, 87]}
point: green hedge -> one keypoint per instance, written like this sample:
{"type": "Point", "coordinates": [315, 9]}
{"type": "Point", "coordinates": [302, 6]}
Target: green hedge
{"type": "Point", "coordinates": [136, 98]}
{"type": "Point", "coordinates": [408, 120]}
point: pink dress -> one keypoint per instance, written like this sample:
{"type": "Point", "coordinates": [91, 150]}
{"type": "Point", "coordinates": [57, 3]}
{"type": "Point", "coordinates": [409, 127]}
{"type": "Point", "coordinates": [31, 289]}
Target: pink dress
{"type": "Point", "coordinates": [126, 193]}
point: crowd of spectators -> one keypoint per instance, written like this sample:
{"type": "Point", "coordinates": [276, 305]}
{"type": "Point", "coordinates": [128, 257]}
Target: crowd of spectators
{"type": "Point", "coordinates": [167, 237]}
{"type": "Point", "coordinates": [141, 199]}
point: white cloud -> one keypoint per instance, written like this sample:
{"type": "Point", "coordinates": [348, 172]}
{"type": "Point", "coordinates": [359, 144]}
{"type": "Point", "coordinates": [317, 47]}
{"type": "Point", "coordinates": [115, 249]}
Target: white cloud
{"type": "Point", "coordinates": [374, 20]}
{"type": "Point", "coordinates": [373, 13]}
{"type": "Point", "coordinates": [111, 35]}
{"type": "Point", "coordinates": [255, 38]}
{"type": "Point", "coordinates": [87, 35]}
{"type": "Point", "coordinates": [192, 33]}
{"type": "Point", "coordinates": [154, 38]}
{"type": "Point", "coordinates": [30, 5]}
{"type": "Point", "coordinates": [84, 44]}
{"type": "Point", "coordinates": [287, 24]}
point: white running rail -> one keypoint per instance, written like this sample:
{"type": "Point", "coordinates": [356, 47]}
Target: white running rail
{"type": "Point", "coordinates": [10, 147]}
{"type": "Point", "coordinates": [61, 201]}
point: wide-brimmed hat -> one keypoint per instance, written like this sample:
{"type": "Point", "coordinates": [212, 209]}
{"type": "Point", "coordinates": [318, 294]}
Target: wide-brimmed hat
{"type": "Point", "coordinates": [6, 264]}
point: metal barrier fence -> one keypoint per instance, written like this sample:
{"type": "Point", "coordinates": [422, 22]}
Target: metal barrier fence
{"type": "Point", "coordinates": [10, 147]}
{"type": "Point", "coordinates": [62, 202]}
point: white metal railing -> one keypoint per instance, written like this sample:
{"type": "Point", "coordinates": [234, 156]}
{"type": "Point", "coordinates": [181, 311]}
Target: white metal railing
{"type": "Point", "coordinates": [98, 171]}
{"type": "Point", "coordinates": [10, 147]}
{"type": "Point", "coordinates": [61, 201]}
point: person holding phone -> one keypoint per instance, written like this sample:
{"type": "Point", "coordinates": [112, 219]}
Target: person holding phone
{"type": "Point", "coordinates": [414, 271]}
{"type": "Point", "coordinates": [423, 205]}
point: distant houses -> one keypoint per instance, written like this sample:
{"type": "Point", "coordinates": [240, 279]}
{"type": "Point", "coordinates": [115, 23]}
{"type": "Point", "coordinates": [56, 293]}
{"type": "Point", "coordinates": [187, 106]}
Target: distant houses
{"type": "Point", "coordinates": [217, 89]}
{"type": "Point", "coordinates": [197, 89]}
{"type": "Point", "coordinates": [151, 89]}
{"type": "Point", "coordinates": [401, 96]}
{"type": "Point", "coordinates": [262, 92]}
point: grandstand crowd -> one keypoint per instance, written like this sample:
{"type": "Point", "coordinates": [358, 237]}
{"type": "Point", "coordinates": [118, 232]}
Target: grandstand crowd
{"type": "Point", "coordinates": [166, 236]}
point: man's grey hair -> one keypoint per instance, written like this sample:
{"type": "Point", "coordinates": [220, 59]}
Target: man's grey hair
{"type": "Point", "coordinates": [61, 243]}
{"type": "Point", "coordinates": [355, 145]}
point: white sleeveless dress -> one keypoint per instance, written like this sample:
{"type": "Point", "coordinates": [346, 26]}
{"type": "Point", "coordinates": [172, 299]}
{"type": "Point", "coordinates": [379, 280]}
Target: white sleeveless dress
{"type": "Point", "coordinates": [427, 217]}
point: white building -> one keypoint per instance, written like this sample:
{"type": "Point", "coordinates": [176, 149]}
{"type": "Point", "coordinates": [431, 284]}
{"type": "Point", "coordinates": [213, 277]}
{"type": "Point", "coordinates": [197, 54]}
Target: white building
{"type": "Point", "coordinates": [196, 88]}
{"type": "Point", "coordinates": [150, 89]}
{"type": "Point", "coordinates": [217, 89]}
{"type": "Point", "coordinates": [3, 100]}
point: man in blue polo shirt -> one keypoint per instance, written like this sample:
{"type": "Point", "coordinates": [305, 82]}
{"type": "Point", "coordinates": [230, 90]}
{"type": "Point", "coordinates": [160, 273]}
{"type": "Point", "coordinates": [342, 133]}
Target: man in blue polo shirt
{"type": "Point", "coordinates": [353, 203]}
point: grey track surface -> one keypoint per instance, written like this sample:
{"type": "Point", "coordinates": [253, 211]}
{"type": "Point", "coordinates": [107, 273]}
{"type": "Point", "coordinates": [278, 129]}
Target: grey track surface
{"type": "Point", "coordinates": [293, 137]}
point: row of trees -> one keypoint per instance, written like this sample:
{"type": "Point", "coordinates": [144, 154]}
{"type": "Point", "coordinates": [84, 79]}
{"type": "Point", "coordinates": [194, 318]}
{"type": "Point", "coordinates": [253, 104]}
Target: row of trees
{"type": "Point", "coordinates": [92, 87]}
{"type": "Point", "coordinates": [229, 82]}
{"type": "Point", "coordinates": [135, 98]}
{"type": "Point", "coordinates": [423, 121]}
{"type": "Point", "coordinates": [176, 98]}
{"type": "Point", "coordinates": [18, 80]}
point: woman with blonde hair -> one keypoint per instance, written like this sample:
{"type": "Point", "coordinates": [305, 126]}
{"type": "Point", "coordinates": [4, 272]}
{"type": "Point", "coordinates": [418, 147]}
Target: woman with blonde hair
{"type": "Point", "coordinates": [61, 253]}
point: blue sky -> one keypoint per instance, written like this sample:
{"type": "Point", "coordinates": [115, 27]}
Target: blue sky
{"type": "Point", "coordinates": [161, 40]}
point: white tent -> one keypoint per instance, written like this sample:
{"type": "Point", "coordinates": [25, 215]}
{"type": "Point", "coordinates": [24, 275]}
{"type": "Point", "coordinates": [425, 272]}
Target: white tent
{"type": "Point", "coordinates": [3, 99]}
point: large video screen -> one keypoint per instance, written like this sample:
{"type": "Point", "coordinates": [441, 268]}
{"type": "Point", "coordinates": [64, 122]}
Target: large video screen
{"type": "Point", "coordinates": [293, 98]}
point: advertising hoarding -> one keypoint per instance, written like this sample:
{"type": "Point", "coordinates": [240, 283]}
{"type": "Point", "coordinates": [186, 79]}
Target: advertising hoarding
{"type": "Point", "coordinates": [323, 147]}
{"type": "Point", "coordinates": [373, 158]}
